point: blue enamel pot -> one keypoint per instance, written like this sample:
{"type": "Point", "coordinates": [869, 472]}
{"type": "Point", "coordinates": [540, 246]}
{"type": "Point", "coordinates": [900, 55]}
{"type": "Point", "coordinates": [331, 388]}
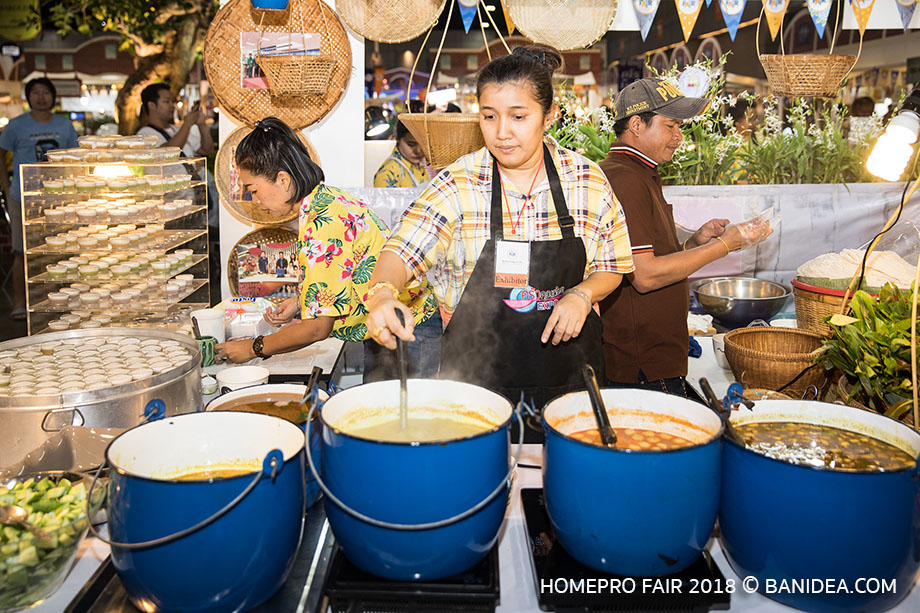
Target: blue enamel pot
{"type": "Point", "coordinates": [415, 511]}
{"type": "Point", "coordinates": [785, 523]}
{"type": "Point", "coordinates": [259, 393]}
{"type": "Point", "coordinates": [218, 544]}
{"type": "Point", "coordinates": [274, 5]}
{"type": "Point", "coordinates": [626, 511]}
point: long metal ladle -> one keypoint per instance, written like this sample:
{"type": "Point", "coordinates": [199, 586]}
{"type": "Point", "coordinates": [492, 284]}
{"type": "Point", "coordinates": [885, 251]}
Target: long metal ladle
{"type": "Point", "coordinates": [403, 360]}
{"type": "Point", "coordinates": [13, 514]}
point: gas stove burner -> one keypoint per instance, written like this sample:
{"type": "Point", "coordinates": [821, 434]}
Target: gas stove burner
{"type": "Point", "coordinates": [349, 589]}
{"type": "Point", "coordinates": [563, 584]}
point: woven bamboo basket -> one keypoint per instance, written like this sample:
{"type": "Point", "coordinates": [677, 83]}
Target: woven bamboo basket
{"type": "Point", "coordinates": [261, 235]}
{"type": "Point", "coordinates": [819, 76]}
{"type": "Point", "coordinates": [444, 137]}
{"type": "Point", "coordinates": [390, 21]}
{"type": "Point", "coordinates": [769, 358]}
{"type": "Point", "coordinates": [224, 65]}
{"type": "Point", "coordinates": [297, 75]}
{"type": "Point", "coordinates": [813, 306]}
{"type": "Point", "coordinates": [563, 24]}
{"type": "Point", "coordinates": [806, 75]}
{"type": "Point", "coordinates": [843, 395]}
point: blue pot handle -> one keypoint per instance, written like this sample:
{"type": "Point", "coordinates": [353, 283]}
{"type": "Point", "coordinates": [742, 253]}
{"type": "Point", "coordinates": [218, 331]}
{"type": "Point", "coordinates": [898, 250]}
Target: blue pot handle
{"type": "Point", "coordinates": [271, 465]}
{"type": "Point", "coordinates": [417, 527]}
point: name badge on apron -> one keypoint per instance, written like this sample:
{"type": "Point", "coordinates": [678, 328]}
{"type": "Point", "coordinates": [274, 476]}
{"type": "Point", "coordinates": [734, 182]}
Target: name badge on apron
{"type": "Point", "coordinates": [512, 263]}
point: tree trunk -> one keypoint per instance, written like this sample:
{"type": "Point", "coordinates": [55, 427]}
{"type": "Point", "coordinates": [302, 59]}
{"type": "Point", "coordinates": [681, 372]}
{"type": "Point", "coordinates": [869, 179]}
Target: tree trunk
{"type": "Point", "coordinates": [128, 102]}
{"type": "Point", "coordinates": [172, 66]}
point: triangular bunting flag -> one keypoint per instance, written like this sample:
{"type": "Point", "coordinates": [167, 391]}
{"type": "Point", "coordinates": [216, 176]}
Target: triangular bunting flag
{"type": "Point", "coordinates": [467, 12]}
{"type": "Point", "coordinates": [708, 2]}
{"type": "Point", "coordinates": [688, 11]}
{"type": "Point", "coordinates": [819, 10]}
{"type": "Point", "coordinates": [645, 13]}
{"type": "Point", "coordinates": [862, 9]}
{"type": "Point", "coordinates": [775, 10]}
{"type": "Point", "coordinates": [508, 21]}
{"type": "Point", "coordinates": [731, 12]}
{"type": "Point", "coordinates": [906, 9]}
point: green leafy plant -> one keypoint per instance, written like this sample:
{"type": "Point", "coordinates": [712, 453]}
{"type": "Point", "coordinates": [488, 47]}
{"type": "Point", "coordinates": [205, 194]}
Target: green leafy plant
{"type": "Point", "coordinates": [813, 147]}
{"type": "Point", "coordinates": [590, 133]}
{"type": "Point", "coordinates": [872, 349]}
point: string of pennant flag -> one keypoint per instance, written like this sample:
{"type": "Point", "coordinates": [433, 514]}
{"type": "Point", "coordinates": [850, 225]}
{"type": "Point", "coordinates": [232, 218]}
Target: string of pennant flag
{"type": "Point", "coordinates": [689, 10]}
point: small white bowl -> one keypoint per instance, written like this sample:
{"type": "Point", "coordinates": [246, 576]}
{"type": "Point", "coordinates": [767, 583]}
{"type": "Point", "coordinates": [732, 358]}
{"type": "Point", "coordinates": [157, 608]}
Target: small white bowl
{"type": "Point", "coordinates": [237, 377]}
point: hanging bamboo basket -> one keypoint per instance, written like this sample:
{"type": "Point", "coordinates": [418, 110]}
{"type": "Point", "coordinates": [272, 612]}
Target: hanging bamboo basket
{"type": "Point", "coordinates": [806, 75]}
{"type": "Point", "coordinates": [298, 75]}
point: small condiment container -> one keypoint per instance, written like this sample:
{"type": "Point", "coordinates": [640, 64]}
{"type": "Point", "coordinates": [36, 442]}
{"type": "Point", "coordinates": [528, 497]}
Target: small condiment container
{"type": "Point", "coordinates": [54, 215]}
{"type": "Point", "coordinates": [90, 300]}
{"type": "Point", "coordinates": [86, 215]}
{"type": "Point", "coordinates": [56, 272]}
{"type": "Point", "coordinates": [121, 299]}
{"type": "Point", "coordinates": [58, 299]}
{"type": "Point", "coordinates": [88, 242]}
{"type": "Point", "coordinates": [57, 325]}
{"type": "Point", "coordinates": [90, 324]}
{"type": "Point", "coordinates": [56, 242]}
{"type": "Point", "coordinates": [71, 318]}
{"type": "Point", "coordinates": [89, 271]}
{"type": "Point", "coordinates": [120, 271]}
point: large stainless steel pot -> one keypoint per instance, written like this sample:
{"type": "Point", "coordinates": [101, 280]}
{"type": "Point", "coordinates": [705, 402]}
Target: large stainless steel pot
{"type": "Point", "coordinates": [27, 421]}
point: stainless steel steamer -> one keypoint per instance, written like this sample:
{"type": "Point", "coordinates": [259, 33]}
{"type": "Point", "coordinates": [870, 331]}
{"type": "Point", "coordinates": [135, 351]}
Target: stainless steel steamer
{"type": "Point", "coordinates": [26, 421]}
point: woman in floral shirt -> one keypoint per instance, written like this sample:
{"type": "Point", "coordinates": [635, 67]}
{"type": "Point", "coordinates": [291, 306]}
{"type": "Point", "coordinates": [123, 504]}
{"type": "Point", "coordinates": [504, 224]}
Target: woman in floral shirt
{"type": "Point", "coordinates": [337, 249]}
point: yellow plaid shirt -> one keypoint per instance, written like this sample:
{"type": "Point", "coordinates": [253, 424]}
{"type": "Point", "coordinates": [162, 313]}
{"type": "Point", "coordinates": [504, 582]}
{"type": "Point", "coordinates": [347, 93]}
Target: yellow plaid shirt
{"type": "Point", "coordinates": [442, 234]}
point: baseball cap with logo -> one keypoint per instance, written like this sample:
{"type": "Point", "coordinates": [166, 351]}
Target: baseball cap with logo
{"type": "Point", "coordinates": [656, 96]}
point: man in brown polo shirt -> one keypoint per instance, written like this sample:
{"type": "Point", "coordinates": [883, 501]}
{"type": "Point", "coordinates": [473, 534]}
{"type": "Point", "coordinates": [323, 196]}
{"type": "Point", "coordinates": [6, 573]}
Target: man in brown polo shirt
{"type": "Point", "coordinates": [645, 319]}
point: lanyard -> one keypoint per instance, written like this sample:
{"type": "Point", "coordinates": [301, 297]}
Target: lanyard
{"type": "Point", "coordinates": [514, 224]}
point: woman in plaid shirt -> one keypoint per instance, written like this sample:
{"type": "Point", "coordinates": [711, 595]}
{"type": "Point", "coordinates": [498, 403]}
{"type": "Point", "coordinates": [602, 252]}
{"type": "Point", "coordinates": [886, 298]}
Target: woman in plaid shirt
{"type": "Point", "coordinates": [519, 239]}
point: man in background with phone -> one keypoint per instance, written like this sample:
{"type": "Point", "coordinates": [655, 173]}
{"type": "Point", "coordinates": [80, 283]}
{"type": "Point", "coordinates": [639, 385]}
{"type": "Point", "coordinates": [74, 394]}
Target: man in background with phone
{"type": "Point", "coordinates": [158, 110]}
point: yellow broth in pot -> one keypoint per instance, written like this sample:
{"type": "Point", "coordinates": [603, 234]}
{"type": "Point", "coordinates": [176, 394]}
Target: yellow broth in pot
{"type": "Point", "coordinates": [823, 447]}
{"type": "Point", "coordinates": [285, 406]}
{"type": "Point", "coordinates": [424, 425]}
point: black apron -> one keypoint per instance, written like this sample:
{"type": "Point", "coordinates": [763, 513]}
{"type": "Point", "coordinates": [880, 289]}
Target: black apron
{"type": "Point", "coordinates": [491, 344]}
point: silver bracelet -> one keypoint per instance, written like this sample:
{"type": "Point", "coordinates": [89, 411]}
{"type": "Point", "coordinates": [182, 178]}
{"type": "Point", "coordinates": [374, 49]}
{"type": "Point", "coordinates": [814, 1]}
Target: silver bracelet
{"type": "Point", "coordinates": [581, 294]}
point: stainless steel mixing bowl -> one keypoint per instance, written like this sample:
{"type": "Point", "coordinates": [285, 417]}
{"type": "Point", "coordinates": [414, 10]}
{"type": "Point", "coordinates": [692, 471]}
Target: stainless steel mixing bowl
{"type": "Point", "coordinates": [737, 301]}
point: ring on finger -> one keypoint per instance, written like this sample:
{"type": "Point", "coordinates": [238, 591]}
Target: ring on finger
{"type": "Point", "coordinates": [377, 331]}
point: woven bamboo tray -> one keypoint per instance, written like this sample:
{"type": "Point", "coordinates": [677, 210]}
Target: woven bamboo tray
{"type": "Point", "coordinates": [390, 21]}
{"type": "Point", "coordinates": [261, 235]}
{"type": "Point", "coordinates": [563, 24]}
{"type": "Point", "coordinates": [222, 61]}
{"type": "Point", "coordinates": [445, 137]}
{"type": "Point", "coordinates": [768, 358]}
{"type": "Point", "coordinates": [248, 210]}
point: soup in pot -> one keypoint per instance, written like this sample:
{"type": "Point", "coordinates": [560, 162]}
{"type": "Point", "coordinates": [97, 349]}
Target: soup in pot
{"type": "Point", "coordinates": [639, 439]}
{"type": "Point", "coordinates": [823, 447]}
{"type": "Point", "coordinates": [285, 406]}
{"type": "Point", "coordinates": [214, 472]}
{"type": "Point", "coordinates": [419, 429]}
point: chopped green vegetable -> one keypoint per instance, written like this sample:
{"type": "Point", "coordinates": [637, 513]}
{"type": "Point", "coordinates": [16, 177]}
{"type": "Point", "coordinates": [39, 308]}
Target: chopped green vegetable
{"type": "Point", "coordinates": [30, 566]}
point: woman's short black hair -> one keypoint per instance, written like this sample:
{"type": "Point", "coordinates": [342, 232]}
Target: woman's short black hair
{"type": "Point", "coordinates": [534, 64]}
{"type": "Point", "coordinates": [621, 125]}
{"type": "Point", "coordinates": [271, 147]}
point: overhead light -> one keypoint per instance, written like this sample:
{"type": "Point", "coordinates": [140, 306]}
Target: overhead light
{"type": "Point", "coordinates": [894, 148]}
